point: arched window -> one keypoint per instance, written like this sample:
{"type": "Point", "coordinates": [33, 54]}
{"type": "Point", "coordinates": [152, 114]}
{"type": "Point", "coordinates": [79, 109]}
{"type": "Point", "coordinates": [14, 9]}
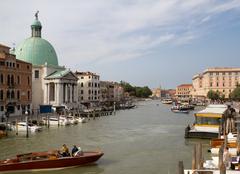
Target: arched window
{"type": "Point", "coordinates": [8, 94]}
{"type": "Point", "coordinates": [12, 94]}
{"type": "Point", "coordinates": [18, 94]}
{"type": "Point", "coordinates": [12, 80]}
{"type": "Point", "coordinates": [8, 79]}
{"type": "Point", "coordinates": [1, 94]}
{"type": "Point", "coordinates": [1, 79]}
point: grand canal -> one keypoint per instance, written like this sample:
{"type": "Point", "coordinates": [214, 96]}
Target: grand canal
{"type": "Point", "coordinates": [148, 139]}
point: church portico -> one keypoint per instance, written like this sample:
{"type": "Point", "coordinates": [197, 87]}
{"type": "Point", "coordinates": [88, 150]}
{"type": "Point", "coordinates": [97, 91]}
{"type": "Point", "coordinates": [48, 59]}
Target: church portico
{"type": "Point", "coordinates": [61, 89]}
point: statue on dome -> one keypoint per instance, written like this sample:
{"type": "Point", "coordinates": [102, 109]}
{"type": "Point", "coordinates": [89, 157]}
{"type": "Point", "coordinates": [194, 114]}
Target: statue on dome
{"type": "Point", "coordinates": [36, 15]}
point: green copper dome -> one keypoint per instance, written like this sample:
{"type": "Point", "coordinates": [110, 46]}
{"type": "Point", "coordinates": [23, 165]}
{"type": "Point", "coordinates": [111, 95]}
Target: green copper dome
{"type": "Point", "coordinates": [36, 50]}
{"type": "Point", "coordinates": [36, 23]}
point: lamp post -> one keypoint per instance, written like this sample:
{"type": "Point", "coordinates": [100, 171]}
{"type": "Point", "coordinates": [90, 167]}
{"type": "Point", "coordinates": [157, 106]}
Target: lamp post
{"type": "Point", "coordinates": [27, 134]}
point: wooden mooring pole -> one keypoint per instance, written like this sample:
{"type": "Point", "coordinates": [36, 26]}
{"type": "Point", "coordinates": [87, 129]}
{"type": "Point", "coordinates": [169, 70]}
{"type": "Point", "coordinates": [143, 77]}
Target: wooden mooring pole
{"type": "Point", "coordinates": [194, 156]}
{"type": "Point", "coordinates": [180, 167]}
{"type": "Point", "coordinates": [199, 156]}
{"type": "Point", "coordinates": [221, 166]}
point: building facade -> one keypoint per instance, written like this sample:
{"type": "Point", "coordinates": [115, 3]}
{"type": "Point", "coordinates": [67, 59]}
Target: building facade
{"type": "Point", "coordinates": [156, 93]}
{"type": "Point", "coordinates": [184, 92]}
{"type": "Point", "coordinates": [168, 93]}
{"type": "Point", "coordinates": [223, 80]}
{"type": "Point", "coordinates": [52, 84]}
{"type": "Point", "coordinates": [15, 84]}
{"type": "Point", "coordinates": [118, 92]}
{"type": "Point", "coordinates": [88, 87]}
{"type": "Point", "coordinates": [107, 91]}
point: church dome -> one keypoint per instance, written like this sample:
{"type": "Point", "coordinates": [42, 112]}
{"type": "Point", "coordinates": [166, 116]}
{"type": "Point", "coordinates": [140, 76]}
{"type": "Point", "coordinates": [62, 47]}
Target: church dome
{"type": "Point", "coordinates": [36, 50]}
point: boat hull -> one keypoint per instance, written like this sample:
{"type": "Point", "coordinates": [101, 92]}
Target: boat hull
{"type": "Point", "coordinates": [198, 134]}
{"type": "Point", "coordinates": [52, 163]}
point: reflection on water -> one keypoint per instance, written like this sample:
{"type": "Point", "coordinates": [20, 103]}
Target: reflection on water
{"type": "Point", "coordinates": [148, 139]}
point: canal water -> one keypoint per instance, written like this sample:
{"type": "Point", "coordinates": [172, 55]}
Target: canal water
{"type": "Point", "coordinates": [146, 140]}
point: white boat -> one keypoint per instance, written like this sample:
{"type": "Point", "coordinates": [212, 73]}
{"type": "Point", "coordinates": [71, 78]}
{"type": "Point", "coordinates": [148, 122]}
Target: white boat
{"type": "Point", "coordinates": [72, 119]}
{"type": "Point", "coordinates": [22, 126]}
{"type": "Point", "coordinates": [207, 122]}
{"type": "Point", "coordinates": [63, 121]}
{"type": "Point", "coordinates": [81, 119]}
{"type": "Point", "coordinates": [167, 101]}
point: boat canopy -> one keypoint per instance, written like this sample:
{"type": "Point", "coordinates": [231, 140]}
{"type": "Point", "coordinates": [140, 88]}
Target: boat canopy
{"type": "Point", "coordinates": [213, 111]}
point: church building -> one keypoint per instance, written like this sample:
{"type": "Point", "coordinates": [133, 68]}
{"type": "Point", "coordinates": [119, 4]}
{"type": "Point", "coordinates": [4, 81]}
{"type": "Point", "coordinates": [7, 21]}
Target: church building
{"type": "Point", "coordinates": [51, 84]}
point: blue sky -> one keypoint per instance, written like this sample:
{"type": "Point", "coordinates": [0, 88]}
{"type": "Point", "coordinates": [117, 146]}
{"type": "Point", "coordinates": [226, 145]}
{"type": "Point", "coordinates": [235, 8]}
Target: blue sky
{"type": "Point", "coordinates": [144, 42]}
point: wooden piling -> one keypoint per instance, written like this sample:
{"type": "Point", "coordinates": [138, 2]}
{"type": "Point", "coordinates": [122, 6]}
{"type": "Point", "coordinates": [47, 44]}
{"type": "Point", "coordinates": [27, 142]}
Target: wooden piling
{"type": "Point", "coordinates": [27, 133]}
{"type": "Point", "coordinates": [194, 156]}
{"type": "Point", "coordinates": [221, 166]}
{"type": "Point", "coordinates": [180, 167]}
{"type": "Point", "coordinates": [58, 116]}
{"type": "Point", "coordinates": [199, 156]}
{"type": "Point", "coordinates": [16, 126]}
{"type": "Point", "coordinates": [48, 120]}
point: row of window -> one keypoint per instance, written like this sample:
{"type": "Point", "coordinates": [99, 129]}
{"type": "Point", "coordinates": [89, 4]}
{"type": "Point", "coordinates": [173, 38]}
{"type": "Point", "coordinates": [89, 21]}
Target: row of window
{"type": "Point", "coordinates": [91, 98]}
{"type": "Point", "coordinates": [90, 77]}
{"type": "Point", "coordinates": [10, 94]}
{"type": "Point", "coordinates": [91, 92]}
{"type": "Point", "coordinates": [91, 84]}
{"type": "Point", "coordinates": [217, 84]}
{"type": "Point", "coordinates": [224, 73]}
{"type": "Point", "coordinates": [183, 89]}
{"type": "Point", "coordinates": [223, 78]}
{"type": "Point", "coordinates": [11, 64]}
{"type": "Point", "coordinates": [183, 93]}
{"type": "Point", "coordinates": [10, 79]}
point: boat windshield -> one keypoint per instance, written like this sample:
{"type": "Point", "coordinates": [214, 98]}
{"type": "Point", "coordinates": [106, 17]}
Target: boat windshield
{"type": "Point", "coordinates": [208, 120]}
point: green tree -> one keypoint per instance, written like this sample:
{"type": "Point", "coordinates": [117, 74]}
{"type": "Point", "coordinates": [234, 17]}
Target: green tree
{"type": "Point", "coordinates": [235, 94]}
{"type": "Point", "coordinates": [213, 95]}
{"type": "Point", "coordinates": [142, 92]}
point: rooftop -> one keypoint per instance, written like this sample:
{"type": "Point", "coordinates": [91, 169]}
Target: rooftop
{"type": "Point", "coordinates": [185, 85]}
{"type": "Point", "coordinates": [86, 73]}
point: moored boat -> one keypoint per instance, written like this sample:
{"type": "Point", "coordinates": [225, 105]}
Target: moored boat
{"type": "Point", "coordinates": [22, 127]}
{"type": "Point", "coordinates": [208, 122]}
{"type": "Point", "coordinates": [47, 160]}
{"type": "Point", "coordinates": [167, 101]}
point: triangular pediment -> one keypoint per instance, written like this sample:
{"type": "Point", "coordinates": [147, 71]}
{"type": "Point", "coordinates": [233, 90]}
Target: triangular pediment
{"type": "Point", "coordinates": [65, 74]}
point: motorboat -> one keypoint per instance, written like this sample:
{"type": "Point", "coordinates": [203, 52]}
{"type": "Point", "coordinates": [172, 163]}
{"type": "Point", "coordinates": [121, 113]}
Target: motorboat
{"type": "Point", "coordinates": [47, 160]}
{"type": "Point", "coordinates": [179, 109]}
{"type": "Point", "coordinates": [62, 121]}
{"type": "Point", "coordinates": [22, 126]}
{"type": "Point", "coordinates": [81, 119]}
{"type": "Point", "coordinates": [208, 122]}
{"type": "Point", "coordinates": [51, 121]}
{"type": "Point", "coordinates": [167, 101]}
{"type": "Point", "coordinates": [72, 119]}
{"type": "Point", "coordinates": [65, 121]}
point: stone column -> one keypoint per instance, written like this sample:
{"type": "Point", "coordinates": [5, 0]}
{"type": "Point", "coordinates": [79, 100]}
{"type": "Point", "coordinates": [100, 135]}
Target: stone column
{"type": "Point", "coordinates": [56, 94]}
{"type": "Point", "coordinates": [60, 93]}
{"type": "Point", "coordinates": [66, 92]}
{"type": "Point", "coordinates": [70, 97]}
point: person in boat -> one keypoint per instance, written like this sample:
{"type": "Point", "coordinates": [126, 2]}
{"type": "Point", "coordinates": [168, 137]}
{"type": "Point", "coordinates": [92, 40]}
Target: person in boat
{"type": "Point", "coordinates": [227, 158]}
{"type": "Point", "coordinates": [65, 151]}
{"type": "Point", "coordinates": [74, 150]}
